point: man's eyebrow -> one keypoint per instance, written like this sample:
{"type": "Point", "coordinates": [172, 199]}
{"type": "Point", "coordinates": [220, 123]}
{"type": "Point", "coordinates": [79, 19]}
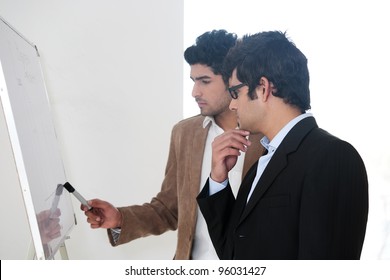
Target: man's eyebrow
{"type": "Point", "coordinates": [200, 78]}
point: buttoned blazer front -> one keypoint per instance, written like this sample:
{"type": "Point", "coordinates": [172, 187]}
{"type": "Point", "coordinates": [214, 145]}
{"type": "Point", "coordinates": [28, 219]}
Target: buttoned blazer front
{"type": "Point", "coordinates": [175, 207]}
{"type": "Point", "coordinates": [311, 202]}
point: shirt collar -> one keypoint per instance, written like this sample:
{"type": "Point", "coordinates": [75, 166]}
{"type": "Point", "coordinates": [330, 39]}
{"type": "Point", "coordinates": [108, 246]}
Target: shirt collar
{"type": "Point", "coordinates": [271, 146]}
{"type": "Point", "coordinates": [207, 120]}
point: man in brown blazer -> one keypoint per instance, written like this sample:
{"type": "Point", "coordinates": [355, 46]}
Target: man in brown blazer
{"type": "Point", "coordinates": [188, 166]}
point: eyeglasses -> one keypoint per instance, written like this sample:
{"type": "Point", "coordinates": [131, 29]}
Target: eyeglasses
{"type": "Point", "coordinates": [233, 90]}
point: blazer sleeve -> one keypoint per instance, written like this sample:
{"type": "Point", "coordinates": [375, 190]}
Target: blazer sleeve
{"type": "Point", "coordinates": [157, 216]}
{"type": "Point", "coordinates": [334, 205]}
{"type": "Point", "coordinates": [216, 209]}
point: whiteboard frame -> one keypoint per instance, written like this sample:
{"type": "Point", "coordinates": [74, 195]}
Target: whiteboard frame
{"type": "Point", "coordinates": [5, 102]}
{"type": "Point", "coordinates": [20, 166]}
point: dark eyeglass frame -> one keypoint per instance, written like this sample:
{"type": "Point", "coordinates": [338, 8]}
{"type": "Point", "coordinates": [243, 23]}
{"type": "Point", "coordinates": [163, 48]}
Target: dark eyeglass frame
{"type": "Point", "coordinates": [233, 90]}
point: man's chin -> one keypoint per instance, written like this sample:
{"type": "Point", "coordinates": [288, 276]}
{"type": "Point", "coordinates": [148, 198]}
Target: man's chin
{"type": "Point", "coordinates": [243, 127]}
{"type": "Point", "coordinates": [205, 113]}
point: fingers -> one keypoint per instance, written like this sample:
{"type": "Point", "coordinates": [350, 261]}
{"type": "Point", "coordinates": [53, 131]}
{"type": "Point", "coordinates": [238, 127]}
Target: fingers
{"type": "Point", "coordinates": [97, 214]}
{"type": "Point", "coordinates": [97, 204]}
{"type": "Point", "coordinates": [94, 218]}
{"type": "Point", "coordinates": [225, 150]}
{"type": "Point", "coordinates": [232, 140]}
{"type": "Point", "coordinates": [102, 214]}
{"type": "Point", "coordinates": [100, 204]}
{"type": "Point", "coordinates": [95, 223]}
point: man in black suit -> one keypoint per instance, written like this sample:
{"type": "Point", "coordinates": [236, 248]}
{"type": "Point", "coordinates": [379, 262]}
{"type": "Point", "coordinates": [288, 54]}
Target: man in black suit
{"type": "Point", "coordinates": [307, 197]}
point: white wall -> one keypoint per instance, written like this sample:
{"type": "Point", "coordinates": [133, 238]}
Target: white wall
{"type": "Point", "coordinates": [113, 72]}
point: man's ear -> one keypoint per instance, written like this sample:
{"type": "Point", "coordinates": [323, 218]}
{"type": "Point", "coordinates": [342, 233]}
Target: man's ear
{"type": "Point", "coordinates": [265, 88]}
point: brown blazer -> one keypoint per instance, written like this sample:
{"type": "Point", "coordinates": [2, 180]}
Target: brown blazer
{"type": "Point", "coordinates": [175, 206]}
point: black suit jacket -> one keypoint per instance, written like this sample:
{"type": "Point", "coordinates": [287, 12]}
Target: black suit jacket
{"type": "Point", "coordinates": [311, 202]}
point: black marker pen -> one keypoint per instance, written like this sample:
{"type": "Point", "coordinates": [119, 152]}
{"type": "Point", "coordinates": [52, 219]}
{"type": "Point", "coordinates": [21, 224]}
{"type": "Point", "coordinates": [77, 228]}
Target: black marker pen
{"type": "Point", "coordinates": [70, 189]}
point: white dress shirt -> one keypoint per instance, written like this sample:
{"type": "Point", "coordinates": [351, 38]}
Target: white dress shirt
{"type": "Point", "coordinates": [203, 248]}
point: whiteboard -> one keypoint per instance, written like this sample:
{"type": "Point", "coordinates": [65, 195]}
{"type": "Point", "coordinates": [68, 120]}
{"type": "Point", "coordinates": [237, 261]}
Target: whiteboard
{"type": "Point", "coordinates": [36, 153]}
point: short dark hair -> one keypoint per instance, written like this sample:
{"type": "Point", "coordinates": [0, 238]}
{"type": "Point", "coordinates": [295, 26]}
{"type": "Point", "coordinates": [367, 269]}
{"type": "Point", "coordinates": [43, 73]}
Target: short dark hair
{"type": "Point", "coordinates": [211, 49]}
{"type": "Point", "coordinates": [274, 56]}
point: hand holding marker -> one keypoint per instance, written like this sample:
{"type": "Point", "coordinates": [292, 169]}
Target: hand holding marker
{"type": "Point", "coordinates": [96, 211]}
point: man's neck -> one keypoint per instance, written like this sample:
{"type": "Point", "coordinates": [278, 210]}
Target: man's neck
{"type": "Point", "coordinates": [281, 120]}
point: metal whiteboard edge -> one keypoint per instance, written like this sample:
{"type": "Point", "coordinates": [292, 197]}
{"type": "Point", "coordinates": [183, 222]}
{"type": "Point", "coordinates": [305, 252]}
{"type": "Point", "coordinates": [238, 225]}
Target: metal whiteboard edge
{"type": "Point", "coordinates": [19, 162]}
{"type": "Point", "coordinates": [20, 35]}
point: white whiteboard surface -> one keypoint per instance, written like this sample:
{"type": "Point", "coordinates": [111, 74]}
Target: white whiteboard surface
{"type": "Point", "coordinates": [37, 157]}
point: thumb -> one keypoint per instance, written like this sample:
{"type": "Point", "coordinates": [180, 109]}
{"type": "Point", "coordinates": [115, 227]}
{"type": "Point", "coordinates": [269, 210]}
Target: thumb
{"type": "Point", "coordinates": [97, 203]}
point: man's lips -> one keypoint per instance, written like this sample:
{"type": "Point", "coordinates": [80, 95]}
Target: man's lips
{"type": "Point", "coordinates": [201, 103]}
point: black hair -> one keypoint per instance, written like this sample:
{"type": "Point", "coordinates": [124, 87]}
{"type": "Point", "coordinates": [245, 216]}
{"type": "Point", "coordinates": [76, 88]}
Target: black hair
{"type": "Point", "coordinates": [273, 56]}
{"type": "Point", "coordinates": [211, 49]}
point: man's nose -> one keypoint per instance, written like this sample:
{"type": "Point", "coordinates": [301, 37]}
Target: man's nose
{"type": "Point", "coordinates": [195, 91]}
{"type": "Point", "coordinates": [233, 105]}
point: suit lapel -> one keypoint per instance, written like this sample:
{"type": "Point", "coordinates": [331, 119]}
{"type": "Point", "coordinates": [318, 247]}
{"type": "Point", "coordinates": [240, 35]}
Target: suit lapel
{"type": "Point", "coordinates": [279, 161]}
{"type": "Point", "coordinates": [195, 161]}
{"type": "Point", "coordinates": [275, 166]}
{"type": "Point", "coordinates": [242, 195]}
{"type": "Point", "coordinates": [193, 146]}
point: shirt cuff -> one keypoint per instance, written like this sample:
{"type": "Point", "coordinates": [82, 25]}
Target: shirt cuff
{"type": "Point", "coordinates": [115, 232]}
{"type": "Point", "coordinates": [215, 187]}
